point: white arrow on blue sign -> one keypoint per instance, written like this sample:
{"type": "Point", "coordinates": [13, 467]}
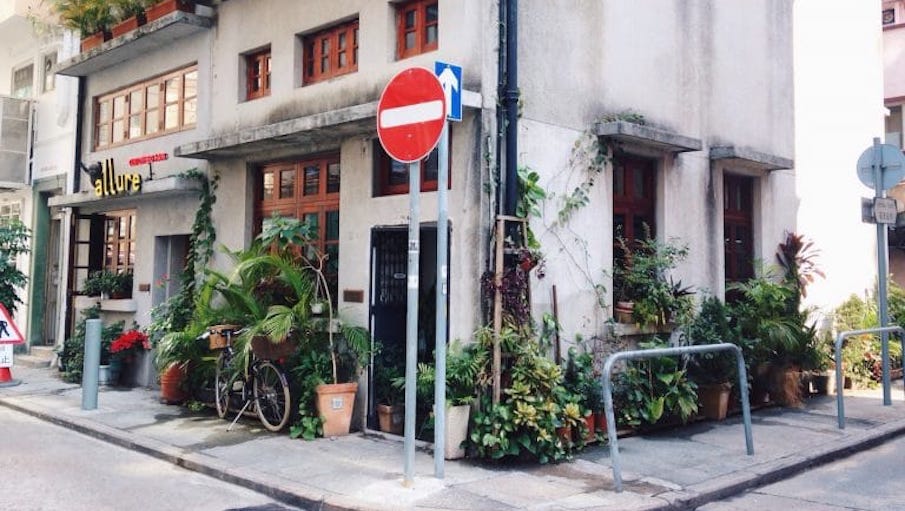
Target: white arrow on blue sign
{"type": "Point", "coordinates": [450, 77]}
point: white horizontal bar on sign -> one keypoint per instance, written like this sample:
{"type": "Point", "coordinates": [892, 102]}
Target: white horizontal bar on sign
{"type": "Point", "coordinates": [411, 114]}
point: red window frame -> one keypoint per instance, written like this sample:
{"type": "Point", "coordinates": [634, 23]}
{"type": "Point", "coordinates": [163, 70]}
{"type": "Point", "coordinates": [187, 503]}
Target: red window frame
{"type": "Point", "coordinates": [738, 227]}
{"type": "Point", "coordinates": [392, 177]}
{"type": "Point", "coordinates": [634, 197]}
{"type": "Point", "coordinates": [425, 34]}
{"type": "Point", "coordinates": [331, 52]}
{"type": "Point", "coordinates": [257, 74]}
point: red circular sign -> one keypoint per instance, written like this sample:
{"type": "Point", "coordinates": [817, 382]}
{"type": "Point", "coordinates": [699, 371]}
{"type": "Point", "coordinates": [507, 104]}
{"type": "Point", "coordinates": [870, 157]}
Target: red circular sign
{"type": "Point", "coordinates": [411, 114]}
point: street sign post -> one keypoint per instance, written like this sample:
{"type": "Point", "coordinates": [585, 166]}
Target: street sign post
{"type": "Point", "coordinates": [9, 335]}
{"type": "Point", "coordinates": [411, 115]}
{"type": "Point", "coordinates": [882, 166]}
{"type": "Point", "coordinates": [450, 77]}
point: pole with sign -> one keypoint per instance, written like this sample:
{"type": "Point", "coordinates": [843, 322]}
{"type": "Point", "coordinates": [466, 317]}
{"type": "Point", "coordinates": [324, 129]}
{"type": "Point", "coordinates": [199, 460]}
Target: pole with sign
{"type": "Point", "coordinates": [881, 167]}
{"type": "Point", "coordinates": [9, 336]}
{"type": "Point", "coordinates": [410, 117]}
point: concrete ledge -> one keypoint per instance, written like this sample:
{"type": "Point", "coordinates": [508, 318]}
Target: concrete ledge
{"type": "Point", "coordinates": [750, 158]}
{"type": "Point", "coordinates": [624, 131]}
{"type": "Point", "coordinates": [156, 188]}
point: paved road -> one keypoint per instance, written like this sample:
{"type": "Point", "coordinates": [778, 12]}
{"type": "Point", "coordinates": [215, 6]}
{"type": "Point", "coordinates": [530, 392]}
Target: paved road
{"type": "Point", "coordinates": [44, 466]}
{"type": "Point", "coordinates": [873, 480]}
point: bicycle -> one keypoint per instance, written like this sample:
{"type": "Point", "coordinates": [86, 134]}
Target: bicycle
{"type": "Point", "coordinates": [269, 393]}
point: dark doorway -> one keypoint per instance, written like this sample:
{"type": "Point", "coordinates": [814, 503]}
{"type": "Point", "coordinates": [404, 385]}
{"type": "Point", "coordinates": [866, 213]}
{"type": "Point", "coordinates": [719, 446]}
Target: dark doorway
{"type": "Point", "coordinates": [389, 298]}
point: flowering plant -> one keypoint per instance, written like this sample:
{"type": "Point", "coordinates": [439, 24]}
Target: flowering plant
{"type": "Point", "coordinates": [129, 342]}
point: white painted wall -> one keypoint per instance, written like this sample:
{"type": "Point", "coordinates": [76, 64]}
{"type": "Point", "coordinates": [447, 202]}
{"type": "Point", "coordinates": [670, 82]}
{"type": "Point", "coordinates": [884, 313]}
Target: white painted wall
{"type": "Point", "coordinates": [838, 110]}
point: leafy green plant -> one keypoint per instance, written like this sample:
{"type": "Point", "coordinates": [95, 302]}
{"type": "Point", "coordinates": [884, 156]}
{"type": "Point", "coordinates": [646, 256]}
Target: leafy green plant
{"type": "Point", "coordinates": [86, 16]}
{"type": "Point", "coordinates": [125, 9]}
{"type": "Point", "coordinates": [580, 378]}
{"type": "Point", "coordinates": [650, 390]}
{"type": "Point", "coordinates": [312, 369]}
{"type": "Point", "coordinates": [13, 242]}
{"type": "Point", "coordinates": [765, 314]}
{"type": "Point", "coordinates": [711, 326]}
{"type": "Point", "coordinates": [72, 354]}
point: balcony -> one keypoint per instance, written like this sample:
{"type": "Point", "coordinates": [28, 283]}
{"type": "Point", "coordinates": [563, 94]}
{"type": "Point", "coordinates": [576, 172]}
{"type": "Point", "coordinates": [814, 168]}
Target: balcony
{"type": "Point", "coordinates": [147, 38]}
{"type": "Point", "coordinates": [14, 115]}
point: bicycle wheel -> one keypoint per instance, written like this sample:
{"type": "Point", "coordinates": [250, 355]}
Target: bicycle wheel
{"type": "Point", "coordinates": [271, 396]}
{"type": "Point", "coordinates": [223, 383]}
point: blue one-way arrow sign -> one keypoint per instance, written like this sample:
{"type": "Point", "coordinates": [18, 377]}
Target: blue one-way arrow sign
{"type": "Point", "coordinates": [450, 77]}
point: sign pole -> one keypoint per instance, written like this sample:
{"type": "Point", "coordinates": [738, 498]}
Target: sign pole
{"type": "Point", "coordinates": [411, 321]}
{"type": "Point", "coordinates": [882, 261]}
{"type": "Point", "coordinates": [441, 292]}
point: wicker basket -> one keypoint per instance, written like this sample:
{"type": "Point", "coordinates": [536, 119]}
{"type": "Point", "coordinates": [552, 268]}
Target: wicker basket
{"type": "Point", "coordinates": [219, 338]}
{"type": "Point", "coordinates": [264, 349]}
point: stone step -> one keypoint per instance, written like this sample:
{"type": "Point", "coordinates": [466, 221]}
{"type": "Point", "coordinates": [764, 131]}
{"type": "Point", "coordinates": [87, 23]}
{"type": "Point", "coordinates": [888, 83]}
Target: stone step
{"type": "Point", "coordinates": [31, 361]}
{"type": "Point", "coordinates": [45, 352]}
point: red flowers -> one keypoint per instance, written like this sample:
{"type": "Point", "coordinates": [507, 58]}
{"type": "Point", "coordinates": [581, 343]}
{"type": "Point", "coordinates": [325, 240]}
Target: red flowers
{"type": "Point", "coordinates": [132, 340]}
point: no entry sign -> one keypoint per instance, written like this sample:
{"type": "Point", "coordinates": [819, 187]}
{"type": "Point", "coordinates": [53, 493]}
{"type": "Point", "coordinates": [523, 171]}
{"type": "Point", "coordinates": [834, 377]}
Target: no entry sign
{"type": "Point", "coordinates": [410, 114]}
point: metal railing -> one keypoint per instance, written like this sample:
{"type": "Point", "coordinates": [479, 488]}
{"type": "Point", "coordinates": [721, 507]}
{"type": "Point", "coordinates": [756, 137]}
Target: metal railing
{"type": "Point", "coordinates": [837, 354]}
{"type": "Point", "coordinates": [665, 352]}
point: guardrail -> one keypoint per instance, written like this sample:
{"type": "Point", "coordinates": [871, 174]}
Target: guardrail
{"type": "Point", "coordinates": [887, 399]}
{"type": "Point", "coordinates": [665, 352]}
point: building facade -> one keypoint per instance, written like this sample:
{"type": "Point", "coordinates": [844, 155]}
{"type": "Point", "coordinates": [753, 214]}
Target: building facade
{"type": "Point", "coordinates": [692, 110]}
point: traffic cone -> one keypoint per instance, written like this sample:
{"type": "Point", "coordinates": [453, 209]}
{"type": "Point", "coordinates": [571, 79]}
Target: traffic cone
{"type": "Point", "coordinates": [5, 375]}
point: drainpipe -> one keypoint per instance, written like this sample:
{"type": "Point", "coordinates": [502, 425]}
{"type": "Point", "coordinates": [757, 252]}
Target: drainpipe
{"type": "Point", "coordinates": [501, 108]}
{"type": "Point", "coordinates": [510, 102]}
{"type": "Point", "coordinates": [79, 116]}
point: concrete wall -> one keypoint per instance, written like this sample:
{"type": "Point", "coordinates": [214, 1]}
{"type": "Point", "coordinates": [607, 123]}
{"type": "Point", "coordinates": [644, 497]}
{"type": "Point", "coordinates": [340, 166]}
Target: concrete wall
{"type": "Point", "coordinates": [719, 71]}
{"type": "Point", "coordinates": [838, 110]}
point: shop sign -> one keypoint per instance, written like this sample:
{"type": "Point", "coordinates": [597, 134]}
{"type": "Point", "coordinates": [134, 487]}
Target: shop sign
{"type": "Point", "coordinates": [147, 159]}
{"type": "Point", "coordinates": [109, 184]}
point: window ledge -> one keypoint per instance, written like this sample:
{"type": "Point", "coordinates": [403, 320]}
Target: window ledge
{"type": "Point", "coordinates": [121, 305]}
{"type": "Point", "coordinates": [153, 188]}
{"type": "Point", "coordinates": [663, 140]}
{"type": "Point", "coordinates": [155, 35]}
{"type": "Point", "coordinates": [632, 329]}
{"type": "Point", "coordinates": [750, 158]}
{"type": "Point", "coordinates": [81, 302]}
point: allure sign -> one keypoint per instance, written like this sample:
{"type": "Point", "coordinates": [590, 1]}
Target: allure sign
{"type": "Point", "coordinates": [109, 184]}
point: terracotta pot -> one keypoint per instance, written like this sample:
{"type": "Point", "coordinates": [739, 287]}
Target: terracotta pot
{"type": "Point", "coordinates": [93, 41]}
{"type": "Point", "coordinates": [161, 9]}
{"type": "Point", "coordinates": [391, 418]}
{"type": "Point", "coordinates": [714, 400]}
{"type": "Point", "coordinates": [565, 434]}
{"type": "Point", "coordinates": [335, 403]}
{"type": "Point", "coordinates": [601, 422]}
{"type": "Point", "coordinates": [591, 421]}
{"type": "Point", "coordinates": [171, 379]}
{"type": "Point", "coordinates": [127, 25]}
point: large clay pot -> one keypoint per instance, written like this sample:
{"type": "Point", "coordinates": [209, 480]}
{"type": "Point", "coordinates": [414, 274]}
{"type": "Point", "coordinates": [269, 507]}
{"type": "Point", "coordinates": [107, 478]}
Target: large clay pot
{"type": "Point", "coordinates": [714, 400]}
{"type": "Point", "coordinates": [171, 379]}
{"type": "Point", "coordinates": [391, 418]}
{"type": "Point", "coordinates": [335, 403]}
{"type": "Point", "coordinates": [456, 431]}
{"type": "Point", "coordinates": [161, 9]}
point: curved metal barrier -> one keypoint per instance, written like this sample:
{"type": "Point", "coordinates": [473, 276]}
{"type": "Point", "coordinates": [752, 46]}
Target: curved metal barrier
{"type": "Point", "coordinates": [887, 394]}
{"type": "Point", "coordinates": [665, 352]}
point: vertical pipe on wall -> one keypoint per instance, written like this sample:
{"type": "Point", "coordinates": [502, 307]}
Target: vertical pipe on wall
{"type": "Point", "coordinates": [511, 105]}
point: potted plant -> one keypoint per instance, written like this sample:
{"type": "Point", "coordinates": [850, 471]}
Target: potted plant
{"type": "Point", "coordinates": [712, 372]}
{"type": "Point", "coordinates": [579, 378]}
{"type": "Point", "coordinates": [127, 348]}
{"type": "Point", "coordinates": [390, 398]}
{"type": "Point", "coordinates": [91, 18]}
{"type": "Point", "coordinates": [160, 9]}
{"type": "Point", "coordinates": [129, 14]}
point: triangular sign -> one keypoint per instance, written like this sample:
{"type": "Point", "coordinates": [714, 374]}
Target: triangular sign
{"type": "Point", "coordinates": [9, 333]}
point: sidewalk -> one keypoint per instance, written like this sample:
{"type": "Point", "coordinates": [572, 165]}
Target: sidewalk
{"type": "Point", "coordinates": [676, 469]}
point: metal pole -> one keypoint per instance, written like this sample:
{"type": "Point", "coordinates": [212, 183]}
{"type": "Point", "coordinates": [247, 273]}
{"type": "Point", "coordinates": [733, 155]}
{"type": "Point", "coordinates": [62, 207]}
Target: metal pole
{"type": "Point", "coordinates": [882, 272]}
{"type": "Point", "coordinates": [411, 321]}
{"type": "Point", "coordinates": [615, 460]}
{"type": "Point", "coordinates": [837, 356]}
{"type": "Point", "coordinates": [441, 293]}
{"type": "Point", "coordinates": [91, 363]}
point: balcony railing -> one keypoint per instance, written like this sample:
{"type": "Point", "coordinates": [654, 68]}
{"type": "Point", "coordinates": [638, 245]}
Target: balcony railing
{"type": "Point", "coordinates": [14, 114]}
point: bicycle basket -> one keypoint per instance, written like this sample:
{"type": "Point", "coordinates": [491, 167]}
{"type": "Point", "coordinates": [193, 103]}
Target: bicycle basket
{"type": "Point", "coordinates": [264, 349]}
{"type": "Point", "coordinates": [220, 335]}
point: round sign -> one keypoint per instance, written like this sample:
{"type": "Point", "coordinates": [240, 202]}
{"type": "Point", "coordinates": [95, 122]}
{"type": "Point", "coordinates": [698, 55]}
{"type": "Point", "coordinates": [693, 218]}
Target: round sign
{"type": "Point", "coordinates": [892, 166]}
{"type": "Point", "coordinates": [411, 114]}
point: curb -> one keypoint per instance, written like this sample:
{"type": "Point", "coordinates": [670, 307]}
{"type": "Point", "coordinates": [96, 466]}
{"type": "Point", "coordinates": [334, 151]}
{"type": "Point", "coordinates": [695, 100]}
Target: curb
{"type": "Point", "coordinates": [291, 493]}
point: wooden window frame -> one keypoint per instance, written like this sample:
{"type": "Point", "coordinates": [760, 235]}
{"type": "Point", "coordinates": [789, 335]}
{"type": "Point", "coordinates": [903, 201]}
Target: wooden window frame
{"type": "Point", "coordinates": [118, 243]}
{"type": "Point", "coordinates": [629, 205]}
{"type": "Point", "coordinates": [146, 130]}
{"type": "Point", "coordinates": [741, 188]}
{"type": "Point", "coordinates": [257, 74]}
{"type": "Point", "coordinates": [420, 28]}
{"type": "Point", "coordinates": [314, 54]}
{"type": "Point", "coordinates": [383, 164]}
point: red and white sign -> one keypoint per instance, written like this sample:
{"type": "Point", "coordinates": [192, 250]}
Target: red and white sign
{"type": "Point", "coordinates": [148, 158]}
{"type": "Point", "coordinates": [411, 114]}
{"type": "Point", "coordinates": [9, 333]}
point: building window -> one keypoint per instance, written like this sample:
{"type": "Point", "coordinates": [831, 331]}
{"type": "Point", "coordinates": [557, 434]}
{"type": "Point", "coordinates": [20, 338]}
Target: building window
{"type": "Point", "coordinates": [10, 213]}
{"type": "Point", "coordinates": [889, 16]}
{"type": "Point", "coordinates": [23, 79]}
{"type": "Point", "coordinates": [166, 104]}
{"type": "Point", "coordinates": [392, 177]}
{"type": "Point", "coordinates": [307, 190]}
{"type": "Point", "coordinates": [417, 27]}
{"type": "Point", "coordinates": [634, 193]}
{"type": "Point", "coordinates": [331, 52]}
{"type": "Point", "coordinates": [738, 227]}
{"type": "Point", "coordinates": [49, 82]}
{"type": "Point", "coordinates": [119, 241]}
{"type": "Point", "coordinates": [257, 74]}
